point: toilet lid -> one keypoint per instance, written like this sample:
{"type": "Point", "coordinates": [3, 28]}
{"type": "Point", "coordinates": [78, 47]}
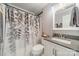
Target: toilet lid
{"type": "Point", "coordinates": [38, 47]}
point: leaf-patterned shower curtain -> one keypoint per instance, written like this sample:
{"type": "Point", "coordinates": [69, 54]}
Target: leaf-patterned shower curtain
{"type": "Point", "coordinates": [1, 30]}
{"type": "Point", "coordinates": [22, 29]}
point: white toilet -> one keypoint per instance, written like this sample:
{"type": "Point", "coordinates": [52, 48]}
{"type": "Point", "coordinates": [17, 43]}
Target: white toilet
{"type": "Point", "coordinates": [37, 50]}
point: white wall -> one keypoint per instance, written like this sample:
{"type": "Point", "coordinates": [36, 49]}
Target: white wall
{"type": "Point", "coordinates": [46, 20]}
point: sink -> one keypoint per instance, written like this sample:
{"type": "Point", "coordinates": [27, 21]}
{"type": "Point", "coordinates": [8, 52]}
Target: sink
{"type": "Point", "coordinates": [61, 40]}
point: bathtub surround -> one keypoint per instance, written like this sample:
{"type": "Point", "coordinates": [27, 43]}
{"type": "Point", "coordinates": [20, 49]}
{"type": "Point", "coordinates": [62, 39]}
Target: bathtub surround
{"type": "Point", "coordinates": [21, 31]}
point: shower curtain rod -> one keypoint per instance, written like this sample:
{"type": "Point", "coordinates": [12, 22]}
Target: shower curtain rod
{"type": "Point", "coordinates": [18, 8]}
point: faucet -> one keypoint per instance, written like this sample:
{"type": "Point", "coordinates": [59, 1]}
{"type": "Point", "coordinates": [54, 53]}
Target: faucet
{"type": "Point", "coordinates": [61, 36]}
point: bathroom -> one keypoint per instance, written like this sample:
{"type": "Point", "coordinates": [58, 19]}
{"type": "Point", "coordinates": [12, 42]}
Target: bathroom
{"type": "Point", "coordinates": [39, 29]}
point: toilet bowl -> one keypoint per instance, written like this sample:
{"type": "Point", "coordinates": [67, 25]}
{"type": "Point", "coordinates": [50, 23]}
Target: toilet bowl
{"type": "Point", "coordinates": [37, 50]}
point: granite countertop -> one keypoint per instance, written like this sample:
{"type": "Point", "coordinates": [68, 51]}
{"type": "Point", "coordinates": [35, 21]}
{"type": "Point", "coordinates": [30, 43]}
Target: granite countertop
{"type": "Point", "coordinates": [74, 43]}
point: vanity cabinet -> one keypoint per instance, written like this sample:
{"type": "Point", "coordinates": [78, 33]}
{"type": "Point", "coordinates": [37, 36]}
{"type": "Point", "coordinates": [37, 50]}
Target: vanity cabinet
{"type": "Point", "coordinates": [76, 53]}
{"type": "Point", "coordinates": [62, 51]}
{"type": "Point", "coordinates": [52, 49]}
{"type": "Point", "coordinates": [48, 48]}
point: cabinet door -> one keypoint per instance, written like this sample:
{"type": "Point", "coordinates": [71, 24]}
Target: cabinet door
{"type": "Point", "coordinates": [48, 48]}
{"type": "Point", "coordinates": [62, 51]}
{"type": "Point", "coordinates": [76, 53]}
{"type": "Point", "coordinates": [51, 49]}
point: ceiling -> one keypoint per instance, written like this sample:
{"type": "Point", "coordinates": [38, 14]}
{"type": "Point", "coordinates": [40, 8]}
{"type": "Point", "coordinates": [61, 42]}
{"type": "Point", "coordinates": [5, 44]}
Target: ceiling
{"type": "Point", "coordinates": [33, 7]}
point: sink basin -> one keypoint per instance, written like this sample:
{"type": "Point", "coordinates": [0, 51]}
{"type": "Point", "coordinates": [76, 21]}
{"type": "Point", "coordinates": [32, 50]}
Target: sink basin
{"type": "Point", "coordinates": [61, 40]}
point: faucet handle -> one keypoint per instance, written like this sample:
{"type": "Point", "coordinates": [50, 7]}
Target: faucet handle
{"type": "Point", "coordinates": [60, 35]}
{"type": "Point", "coordinates": [63, 36]}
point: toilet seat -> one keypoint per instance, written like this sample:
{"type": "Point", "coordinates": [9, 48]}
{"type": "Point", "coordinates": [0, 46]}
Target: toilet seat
{"type": "Point", "coordinates": [37, 50]}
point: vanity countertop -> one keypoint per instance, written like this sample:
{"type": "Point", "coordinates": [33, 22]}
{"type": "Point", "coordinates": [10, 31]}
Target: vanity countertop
{"type": "Point", "coordinates": [68, 43]}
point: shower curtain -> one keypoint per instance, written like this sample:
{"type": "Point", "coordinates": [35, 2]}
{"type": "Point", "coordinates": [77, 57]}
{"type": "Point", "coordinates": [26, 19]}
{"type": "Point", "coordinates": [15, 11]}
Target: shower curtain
{"type": "Point", "coordinates": [21, 32]}
{"type": "Point", "coordinates": [1, 30]}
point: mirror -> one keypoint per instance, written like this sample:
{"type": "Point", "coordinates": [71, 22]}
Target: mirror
{"type": "Point", "coordinates": [63, 17]}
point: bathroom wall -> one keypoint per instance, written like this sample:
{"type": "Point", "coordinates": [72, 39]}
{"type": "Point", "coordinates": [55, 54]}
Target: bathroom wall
{"type": "Point", "coordinates": [47, 20]}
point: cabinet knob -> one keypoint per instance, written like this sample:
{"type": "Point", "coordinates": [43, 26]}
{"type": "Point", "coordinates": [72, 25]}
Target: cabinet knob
{"type": "Point", "coordinates": [54, 52]}
{"type": "Point", "coordinates": [74, 54]}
